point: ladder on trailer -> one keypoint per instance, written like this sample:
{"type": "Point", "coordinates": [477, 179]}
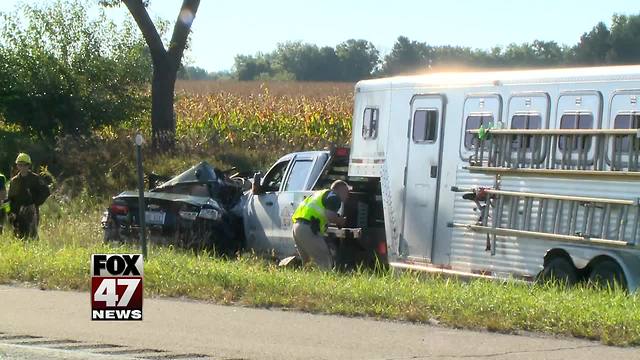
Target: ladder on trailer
{"type": "Point", "coordinates": [602, 153]}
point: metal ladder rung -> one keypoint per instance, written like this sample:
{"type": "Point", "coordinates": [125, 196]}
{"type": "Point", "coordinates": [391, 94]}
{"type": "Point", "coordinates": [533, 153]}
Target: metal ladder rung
{"type": "Point", "coordinates": [547, 236]}
{"type": "Point", "coordinates": [590, 219]}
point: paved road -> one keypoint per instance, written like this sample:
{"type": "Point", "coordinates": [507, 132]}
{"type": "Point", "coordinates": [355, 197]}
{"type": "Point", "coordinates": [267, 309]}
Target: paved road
{"type": "Point", "coordinates": [34, 322]}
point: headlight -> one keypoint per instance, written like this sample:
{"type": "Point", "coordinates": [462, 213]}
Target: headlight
{"type": "Point", "coordinates": [189, 215]}
{"type": "Point", "coordinates": [211, 214]}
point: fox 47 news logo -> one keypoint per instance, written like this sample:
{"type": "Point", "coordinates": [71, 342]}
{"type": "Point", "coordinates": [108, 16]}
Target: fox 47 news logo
{"type": "Point", "coordinates": [116, 286]}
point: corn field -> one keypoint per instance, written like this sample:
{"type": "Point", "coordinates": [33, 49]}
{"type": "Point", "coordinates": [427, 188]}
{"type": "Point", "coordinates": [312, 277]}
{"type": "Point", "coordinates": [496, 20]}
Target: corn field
{"type": "Point", "coordinates": [252, 117]}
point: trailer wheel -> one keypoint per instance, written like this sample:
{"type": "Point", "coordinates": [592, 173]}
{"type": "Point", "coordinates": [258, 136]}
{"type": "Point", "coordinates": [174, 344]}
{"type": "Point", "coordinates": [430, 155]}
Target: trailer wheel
{"type": "Point", "coordinates": [559, 269]}
{"type": "Point", "coordinates": [607, 273]}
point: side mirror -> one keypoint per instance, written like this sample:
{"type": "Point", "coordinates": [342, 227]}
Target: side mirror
{"type": "Point", "coordinates": [256, 188]}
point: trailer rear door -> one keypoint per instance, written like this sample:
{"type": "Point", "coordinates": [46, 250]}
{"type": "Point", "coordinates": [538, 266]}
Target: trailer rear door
{"type": "Point", "coordinates": [421, 174]}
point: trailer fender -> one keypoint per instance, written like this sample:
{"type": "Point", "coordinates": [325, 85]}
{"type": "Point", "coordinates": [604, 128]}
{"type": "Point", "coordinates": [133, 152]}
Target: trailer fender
{"type": "Point", "coordinates": [582, 257]}
{"type": "Point", "coordinates": [630, 264]}
{"type": "Point", "coordinates": [577, 255]}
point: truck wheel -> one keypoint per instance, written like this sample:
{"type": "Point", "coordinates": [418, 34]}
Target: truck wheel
{"type": "Point", "coordinates": [224, 241]}
{"type": "Point", "coordinates": [559, 269]}
{"type": "Point", "coordinates": [607, 273]}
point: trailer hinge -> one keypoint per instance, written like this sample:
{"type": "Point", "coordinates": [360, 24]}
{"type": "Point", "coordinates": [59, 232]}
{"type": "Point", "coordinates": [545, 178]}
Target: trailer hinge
{"type": "Point", "coordinates": [409, 128]}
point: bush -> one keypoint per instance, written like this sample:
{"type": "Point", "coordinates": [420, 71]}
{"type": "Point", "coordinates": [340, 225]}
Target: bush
{"type": "Point", "coordinates": [62, 72]}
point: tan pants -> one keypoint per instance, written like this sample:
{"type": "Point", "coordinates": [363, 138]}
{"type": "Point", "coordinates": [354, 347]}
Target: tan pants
{"type": "Point", "coordinates": [312, 247]}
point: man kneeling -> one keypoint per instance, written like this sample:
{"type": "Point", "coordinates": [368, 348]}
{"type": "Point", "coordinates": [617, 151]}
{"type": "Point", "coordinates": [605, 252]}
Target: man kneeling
{"type": "Point", "coordinates": [311, 219]}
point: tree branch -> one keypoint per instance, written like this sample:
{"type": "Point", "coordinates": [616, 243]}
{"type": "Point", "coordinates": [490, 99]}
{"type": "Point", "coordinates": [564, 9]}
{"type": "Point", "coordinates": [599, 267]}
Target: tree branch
{"type": "Point", "coordinates": [181, 30]}
{"type": "Point", "coordinates": [148, 29]}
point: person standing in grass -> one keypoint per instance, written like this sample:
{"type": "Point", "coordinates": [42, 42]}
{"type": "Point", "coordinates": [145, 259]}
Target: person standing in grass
{"type": "Point", "coordinates": [311, 219]}
{"type": "Point", "coordinates": [27, 192]}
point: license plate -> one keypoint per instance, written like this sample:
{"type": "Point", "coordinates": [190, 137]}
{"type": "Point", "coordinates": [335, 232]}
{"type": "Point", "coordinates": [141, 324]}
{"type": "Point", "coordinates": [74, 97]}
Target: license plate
{"type": "Point", "coordinates": [154, 217]}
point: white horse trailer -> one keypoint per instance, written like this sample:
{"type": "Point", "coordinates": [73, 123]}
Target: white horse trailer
{"type": "Point", "coordinates": [556, 163]}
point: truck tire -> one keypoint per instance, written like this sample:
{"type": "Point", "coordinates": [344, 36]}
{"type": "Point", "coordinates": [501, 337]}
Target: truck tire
{"type": "Point", "coordinates": [607, 273]}
{"type": "Point", "coordinates": [559, 269]}
{"type": "Point", "coordinates": [224, 241]}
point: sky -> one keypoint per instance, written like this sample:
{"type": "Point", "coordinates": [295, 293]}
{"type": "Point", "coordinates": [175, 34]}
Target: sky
{"type": "Point", "coordinates": [223, 29]}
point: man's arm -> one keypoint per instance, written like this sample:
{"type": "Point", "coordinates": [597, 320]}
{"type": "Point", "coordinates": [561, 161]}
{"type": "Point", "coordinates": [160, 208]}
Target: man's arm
{"type": "Point", "coordinates": [39, 190]}
{"type": "Point", "coordinates": [334, 218]}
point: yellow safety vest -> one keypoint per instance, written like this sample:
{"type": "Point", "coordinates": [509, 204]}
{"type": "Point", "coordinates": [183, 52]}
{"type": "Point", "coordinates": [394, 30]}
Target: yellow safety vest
{"type": "Point", "coordinates": [312, 207]}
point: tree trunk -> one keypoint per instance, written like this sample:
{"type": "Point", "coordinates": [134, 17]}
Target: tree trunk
{"type": "Point", "coordinates": [165, 67]}
{"type": "Point", "coordinates": [163, 122]}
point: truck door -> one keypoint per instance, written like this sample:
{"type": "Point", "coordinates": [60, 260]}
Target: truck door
{"type": "Point", "coordinates": [422, 173]}
{"type": "Point", "coordinates": [294, 190]}
{"type": "Point", "coordinates": [262, 210]}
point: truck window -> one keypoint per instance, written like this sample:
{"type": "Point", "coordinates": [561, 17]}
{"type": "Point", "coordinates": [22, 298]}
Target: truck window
{"type": "Point", "coordinates": [626, 121]}
{"type": "Point", "coordinates": [576, 121]}
{"type": "Point", "coordinates": [425, 125]}
{"type": "Point", "coordinates": [525, 121]}
{"type": "Point", "coordinates": [370, 123]}
{"type": "Point", "coordinates": [273, 179]}
{"type": "Point", "coordinates": [474, 121]}
{"type": "Point", "coordinates": [298, 175]}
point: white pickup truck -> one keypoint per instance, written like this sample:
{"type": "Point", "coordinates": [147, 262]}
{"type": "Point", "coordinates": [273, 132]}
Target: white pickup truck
{"type": "Point", "coordinates": [268, 210]}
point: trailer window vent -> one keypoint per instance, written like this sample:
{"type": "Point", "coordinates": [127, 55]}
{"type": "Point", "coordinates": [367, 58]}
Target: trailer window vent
{"type": "Point", "coordinates": [524, 121]}
{"type": "Point", "coordinates": [474, 121]}
{"type": "Point", "coordinates": [370, 123]}
{"type": "Point", "coordinates": [627, 121]}
{"type": "Point", "coordinates": [576, 121]}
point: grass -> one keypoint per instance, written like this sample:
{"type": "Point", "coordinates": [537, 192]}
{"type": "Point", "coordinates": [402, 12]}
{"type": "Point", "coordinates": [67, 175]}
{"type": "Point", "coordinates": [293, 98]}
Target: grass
{"type": "Point", "coordinates": [60, 260]}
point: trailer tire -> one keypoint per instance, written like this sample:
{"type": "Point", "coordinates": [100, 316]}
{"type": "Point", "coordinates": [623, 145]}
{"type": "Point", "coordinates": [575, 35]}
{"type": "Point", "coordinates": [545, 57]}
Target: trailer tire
{"type": "Point", "coordinates": [605, 273]}
{"type": "Point", "coordinates": [559, 269]}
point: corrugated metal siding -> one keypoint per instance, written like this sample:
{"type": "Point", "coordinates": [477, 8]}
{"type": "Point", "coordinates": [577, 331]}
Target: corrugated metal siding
{"type": "Point", "coordinates": [468, 247]}
{"type": "Point", "coordinates": [521, 255]}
